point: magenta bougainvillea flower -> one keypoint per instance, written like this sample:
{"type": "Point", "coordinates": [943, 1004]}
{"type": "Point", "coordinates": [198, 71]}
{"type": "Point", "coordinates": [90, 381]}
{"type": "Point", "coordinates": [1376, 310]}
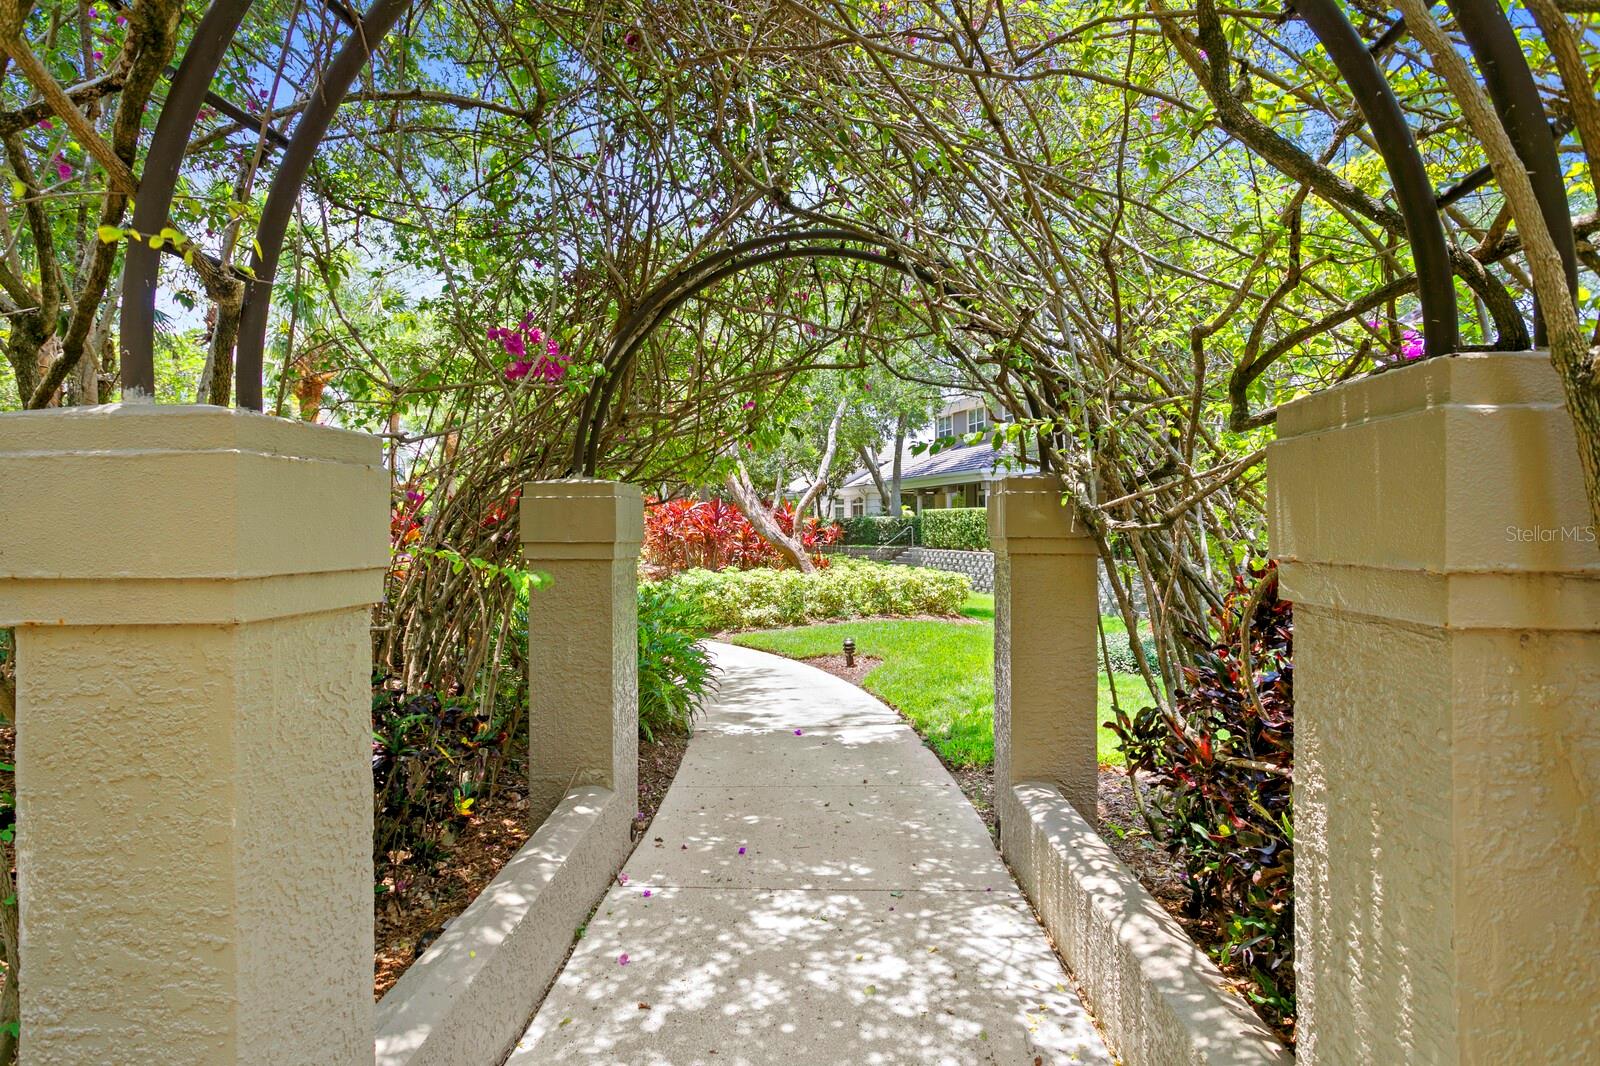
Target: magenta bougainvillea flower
{"type": "Point", "coordinates": [799, 732]}
{"type": "Point", "coordinates": [622, 879]}
{"type": "Point", "coordinates": [622, 960]}
{"type": "Point", "coordinates": [533, 354]}
{"type": "Point", "coordinates": [647, 893]}
{"type": "Point", "coordinates": [1411, 346]}
{"type": "Point", "coordinates": [741, 849]}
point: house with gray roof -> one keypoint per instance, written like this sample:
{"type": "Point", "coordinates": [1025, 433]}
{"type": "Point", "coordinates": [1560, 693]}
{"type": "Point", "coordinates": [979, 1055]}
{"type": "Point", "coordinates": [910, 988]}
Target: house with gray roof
{"type": "Point", "coordinates": [959, 476]}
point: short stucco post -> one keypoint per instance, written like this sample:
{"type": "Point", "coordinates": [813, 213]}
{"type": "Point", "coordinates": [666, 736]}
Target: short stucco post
{"type": "Point", "coordinates": [1431, 528]}
{"type": "Point", "coordinates": [190, 588]}
{"type": "Point", "coordinates": [1045, 699]}
{"type": "Point", "coordinates": [583, 640]}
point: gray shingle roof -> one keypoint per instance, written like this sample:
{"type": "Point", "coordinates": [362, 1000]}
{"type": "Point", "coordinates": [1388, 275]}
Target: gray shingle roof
{"type": "Point", "coordinates": [969, 459]}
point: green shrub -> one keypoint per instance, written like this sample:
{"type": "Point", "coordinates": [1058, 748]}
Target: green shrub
{"type": "Point", "coordinates": [675, 672]}
{"type": "Point", "coordinates": [959, 528]}
{"type": "Point", "coordinates": [849, 588]}
{"type": "Point", "coordinates": [1220, 772]}
{"type": "Point", "coordinates": [873, 529]}
{"type": "Point", "coordinates": [1119, 652]}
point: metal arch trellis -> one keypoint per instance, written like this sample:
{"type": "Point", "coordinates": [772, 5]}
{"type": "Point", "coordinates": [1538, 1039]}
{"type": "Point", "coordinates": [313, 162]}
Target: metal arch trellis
{"type": "Point", "coordinates": [675, 290]}
{"type": "Point", "coordinates": [189, 89]}
{"type": "Point", "coordinates": [1516, 98]}
{"type": "Point", "coordinates": [1488, 32]}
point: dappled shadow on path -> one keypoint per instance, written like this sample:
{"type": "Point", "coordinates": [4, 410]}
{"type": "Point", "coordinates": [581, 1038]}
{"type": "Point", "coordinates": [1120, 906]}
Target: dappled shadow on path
{"type": "Point", "coordinates": [815, 889]}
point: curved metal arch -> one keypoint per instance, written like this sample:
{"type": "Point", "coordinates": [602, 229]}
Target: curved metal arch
{"type": "Point", "coordinates": [1516, 97]}
{"type": "Point", "coordinates": [1425, 232]}
{"type": "Point", "coordinates": [174, 128]}
{"type": "Point", "coordinates": [671, 293]}
{"type": "Point", "coordinates": [313, 126]}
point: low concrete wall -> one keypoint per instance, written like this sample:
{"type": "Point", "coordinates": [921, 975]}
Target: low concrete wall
{"type": "Point", "coordinates": [1160, 998]}
{"type": "Point", "coordinates": [470, 996]}
{"type": "Point", "coordinates": [979, 566]}
{"type": "Point", "coordinates": [878, 553]}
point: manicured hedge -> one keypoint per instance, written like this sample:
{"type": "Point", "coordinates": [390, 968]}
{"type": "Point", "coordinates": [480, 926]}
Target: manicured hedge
{"type": "Point", "coordinates": [874, 529]}
{"type": "Point", "coordinates": [1119, 652]}
{"type": "Point", "coordinates": [849, 588]}
{"type": "Point", "coordinates": [960, 528]}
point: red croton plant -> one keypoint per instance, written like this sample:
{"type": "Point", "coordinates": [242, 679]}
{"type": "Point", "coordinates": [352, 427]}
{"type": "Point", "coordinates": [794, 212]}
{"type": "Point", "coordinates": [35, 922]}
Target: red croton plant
{"type": "Point", "coordinates": [1221, 765]}
{"type": "Point", "coordinates": [713, 535]}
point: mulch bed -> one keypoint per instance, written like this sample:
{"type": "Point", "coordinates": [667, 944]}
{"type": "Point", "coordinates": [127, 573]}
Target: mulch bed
{"type": "Point", "coordinates": [417, 907]}
{"type": "Point", "coordinates": [835, 665]}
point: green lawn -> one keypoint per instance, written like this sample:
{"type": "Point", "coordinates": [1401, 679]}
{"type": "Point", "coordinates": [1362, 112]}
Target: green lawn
{"type": "Point", "coordinates": [939, 674]}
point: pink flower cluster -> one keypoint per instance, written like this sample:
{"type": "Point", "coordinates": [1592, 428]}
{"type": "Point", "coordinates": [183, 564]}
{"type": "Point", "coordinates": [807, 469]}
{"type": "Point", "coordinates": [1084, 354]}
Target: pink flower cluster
{"type": "Point", "coordinates": [531, 352]}
{"type": "Point", "coordinates": [1411, 346]}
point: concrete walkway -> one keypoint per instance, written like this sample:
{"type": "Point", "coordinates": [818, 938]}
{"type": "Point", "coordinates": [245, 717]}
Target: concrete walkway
{"type": "Point", "coordinates": [815, 889]}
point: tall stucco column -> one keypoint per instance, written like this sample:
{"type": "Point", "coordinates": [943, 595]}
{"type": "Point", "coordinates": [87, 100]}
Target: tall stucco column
{"type": "Point", "coordinates": [1045, 696]}
{"type": "Point", "coordinates": [583, 639]}
{"type": "Point", "coordinates": [190, 588]}
{"type": "Point", "coordinates": [1431, 528]}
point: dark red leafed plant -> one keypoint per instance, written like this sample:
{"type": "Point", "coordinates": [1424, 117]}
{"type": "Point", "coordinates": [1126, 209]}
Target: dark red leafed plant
{"type": "Point", "coordinates": [1221, 766]}
{"type": "Point", "coordinates": [713, 535]}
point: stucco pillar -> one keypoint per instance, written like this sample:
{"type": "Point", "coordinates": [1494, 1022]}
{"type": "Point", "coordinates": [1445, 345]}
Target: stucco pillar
{"type": "Point", "coordinates": [1431, 528]}
{"type": "Point", "coordinates": [1045, 696]}
{"type": "Point", "coordinates": [583, 639]}
{"type": "Point", "coordinates": [190, 588]}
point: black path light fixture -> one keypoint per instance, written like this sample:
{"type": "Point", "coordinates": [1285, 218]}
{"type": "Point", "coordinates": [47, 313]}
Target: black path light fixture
{"type": "Point", "coordinates": [1516, 98]}
{"type": "Point", "coordinates": [849, 651]}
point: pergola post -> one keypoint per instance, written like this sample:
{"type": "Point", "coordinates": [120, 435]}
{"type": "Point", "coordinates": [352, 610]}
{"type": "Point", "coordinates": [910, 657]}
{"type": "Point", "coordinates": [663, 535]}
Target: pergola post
{"type": "Point", "coordinates": [1432, 530]}
{"type": "Point", "coordinates": [583, 640]}
{"type": "Point", "coordinates": [190, 591]}
{"type": "Point", "coordinates": [1046, 605]}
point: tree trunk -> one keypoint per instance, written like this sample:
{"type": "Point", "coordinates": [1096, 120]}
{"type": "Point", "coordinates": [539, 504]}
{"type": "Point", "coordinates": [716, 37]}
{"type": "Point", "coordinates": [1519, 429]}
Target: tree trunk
{"type": "Point", "coordinates": [223, 337]}
{"type": "Point", "coordinates": [748, 501]}
{"type": "Point", "coordinates": [877, 477]}
{"type": "Point", "coordinates": [894, 474]}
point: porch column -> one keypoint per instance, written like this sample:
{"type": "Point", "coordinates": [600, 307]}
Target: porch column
{"type": "Point", "coordinates": [1045, 696]}
{"type": "Point", "coordinates": [583, 640]}
{"type": "Point", "coordinates": [190, 591]}
{"type": "Point", "coordinates": [1431, 528]}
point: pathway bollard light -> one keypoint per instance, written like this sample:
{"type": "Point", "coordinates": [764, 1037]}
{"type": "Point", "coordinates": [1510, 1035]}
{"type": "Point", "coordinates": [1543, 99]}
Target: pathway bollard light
{"type": "Point", "coordinates": [849, 651]}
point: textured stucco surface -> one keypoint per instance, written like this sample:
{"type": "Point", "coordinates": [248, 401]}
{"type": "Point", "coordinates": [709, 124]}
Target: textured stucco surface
{"type": "Point", "coordinates": [583, 638]}
{"type": "Point", "coordinates": [1160, 998]}
{"type": "Point", "coordinates": [1045, 695]}
{"type": "Point", "coordinates": [469, 997]}
{"type": "Point", "coordinates": [868, 921]}
{"type": "Point", "coordinates": [194, 792]}
{"type": "Point", "coordinates": [1430, 526]}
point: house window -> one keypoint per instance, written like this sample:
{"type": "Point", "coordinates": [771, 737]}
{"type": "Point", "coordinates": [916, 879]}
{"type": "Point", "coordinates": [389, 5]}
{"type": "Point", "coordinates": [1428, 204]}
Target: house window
{"type": "Point", "coordinates": [858, 507]}
{"type": "Point", "coordinates": [838, 507]}
{"type": "Point", "coordinates": [977, 420]}
{"type": "Point", "coordinates": [945, 426]}
{"type": "Point", "coordinates": [980, 494]}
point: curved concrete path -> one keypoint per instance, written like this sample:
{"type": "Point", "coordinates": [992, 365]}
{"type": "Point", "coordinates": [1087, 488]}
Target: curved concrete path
{"type": "Point", "coordinates": [819, 891]}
